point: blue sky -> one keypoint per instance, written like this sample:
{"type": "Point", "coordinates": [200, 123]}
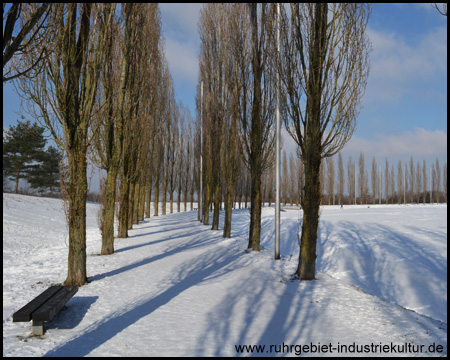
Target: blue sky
{"type": "Point", "coordinates": [405, 105]}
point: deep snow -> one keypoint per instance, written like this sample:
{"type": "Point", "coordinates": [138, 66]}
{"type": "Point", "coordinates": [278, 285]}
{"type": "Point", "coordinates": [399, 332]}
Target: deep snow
{"type": "Point", "coordinates": [176, 288]}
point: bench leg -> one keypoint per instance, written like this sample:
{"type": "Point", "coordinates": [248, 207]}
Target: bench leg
{"type": "Point", "coordinates": [38, 328]}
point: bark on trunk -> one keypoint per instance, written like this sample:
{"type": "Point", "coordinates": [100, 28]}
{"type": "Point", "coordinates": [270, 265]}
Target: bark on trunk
{"type": "Point", "coordinates": [215, 224]}
{"type": "Point", "coordinates": [311, 205]}
{"type": "Point", "coordinates": [124, 208]}
{"type": "Point", "coordinates": [108, 212]}
{"type": "Point", "coordinates": [255, 214]}
{"type": "Point", "coordinates": [77, 216]}
{"type": "Point", "coordinates": [228, 213]}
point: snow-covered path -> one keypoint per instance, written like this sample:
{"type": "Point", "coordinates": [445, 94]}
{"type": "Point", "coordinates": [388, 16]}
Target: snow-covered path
{"type": "Point", "coordinates": [176, 288]}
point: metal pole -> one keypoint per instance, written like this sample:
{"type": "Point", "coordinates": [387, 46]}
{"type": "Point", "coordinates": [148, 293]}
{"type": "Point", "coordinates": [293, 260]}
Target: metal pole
{"type": "Point", "coordinates": [277, 160]}
{"type": "Point", "coordinates": [354, 179]}
{"type": "Point", "coordinates": [200, 196]}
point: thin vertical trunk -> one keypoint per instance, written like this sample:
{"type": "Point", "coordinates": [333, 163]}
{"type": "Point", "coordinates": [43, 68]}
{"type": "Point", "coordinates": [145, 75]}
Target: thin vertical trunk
{"type": "Point", "coordinates": [215, 223]}
{"type": "Point", "coordinates": [108, 211]}
{"type": "Point", "coordinates": [124, 208]}
{"type": "Point", "coordinates": [131, 212]}
{"type": "Point", "coordinates": [156, 199]}
{"type": "Point", "coordinates": [148, 191]}
{"type": "Point", "coordinates": [17, 181]}
{"type": "Point", "coordinates": [255, 213]}
{"type": "Point", "coordinates": [164, 197]}
{"type": "Point", "coordinates": [141, 202]}
{"type": "Point", "coordinates": [228, 212]}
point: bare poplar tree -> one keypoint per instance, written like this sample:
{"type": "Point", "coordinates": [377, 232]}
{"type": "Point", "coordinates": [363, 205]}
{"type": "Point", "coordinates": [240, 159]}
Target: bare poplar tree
{"type": "Point", "coordinates": [424, 177]}
{"type": "Point", "coordinates": [351, 177]}
{"type": "Point", "coordinates": [418, 182]}
{"type": "Point", "coordinates": [284, 179]}
{"type": "Point", "coordinates": [400, 182]}
{"type": "Point", "coordinates": [258, 105]}
{"type": "Point", "coordinates": [392, 183]}
{"type": "Point", "coordinates": [438, 181]}
{"type": "Point", "coordinates": [292, 179]}
{"type": "Point", "coordinates": [107, 135]}
{"type": "Point", "coordinates": [330, 180]}
{"type": "Point", "coordinates": [361, 178]}
{"type": "Point", "coordinates": [65, 94]}
{"type": "Point", "coordinates": [387, 181]}
{"type": "Point", "coordinates": [137, 128]}
{"type": "Point", "coordinates": [433, 183]}
{"type": "Point", "coordinates": [324, 71]}
{"type": "Point", "coordinates": [301, 179]}
{"type": "Point", "coordinates": [412, 178]}
{"type": "Point", "coordinates": [374, 178]}
{"type": "Point", "coordinates": [444, 175]}
{"type": "Point", "coordinates": [233, 85]}
{"type": "Point", "coordinates": [341, 179]}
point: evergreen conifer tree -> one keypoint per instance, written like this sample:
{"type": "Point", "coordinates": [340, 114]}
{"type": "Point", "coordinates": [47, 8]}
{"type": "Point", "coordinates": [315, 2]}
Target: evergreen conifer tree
{"type": "Point", "coordinates": [22, 148]}
{"type": "Point", "coordinates": [46, 175]}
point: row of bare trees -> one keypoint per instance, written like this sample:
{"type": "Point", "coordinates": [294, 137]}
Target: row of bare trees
{"type": "Point", "coordinates": [321, 60]}
{"type": "Point", "coordinates": [408, 182]}
{"type": "Point", "coordinates": [104, 90]}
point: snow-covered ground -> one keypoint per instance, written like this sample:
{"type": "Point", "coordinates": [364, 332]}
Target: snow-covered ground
{"type": "Point", "coordinates": [176, 288]}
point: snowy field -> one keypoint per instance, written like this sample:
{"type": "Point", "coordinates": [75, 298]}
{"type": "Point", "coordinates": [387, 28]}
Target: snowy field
{"type": "Point", "coordinates": [176, 288]}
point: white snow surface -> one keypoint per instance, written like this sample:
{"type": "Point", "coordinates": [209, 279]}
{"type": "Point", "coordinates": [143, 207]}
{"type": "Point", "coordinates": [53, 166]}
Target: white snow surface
{"type": "Point", "coordinates": [177, 288]}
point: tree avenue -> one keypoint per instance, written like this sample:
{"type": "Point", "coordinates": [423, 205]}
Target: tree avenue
{"type": "Point", "coordinates": [104, 90]}
{"type": "Point", "coordinates": [324, 68]}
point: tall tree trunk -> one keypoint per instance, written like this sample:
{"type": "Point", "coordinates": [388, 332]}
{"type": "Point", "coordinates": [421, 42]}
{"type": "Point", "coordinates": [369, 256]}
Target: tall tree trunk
{"type": "Point", "coordinates": [141, 202]}
{"type": "Point", "coordinates": [312, 151]}
{"type": "Point", "coordinates": [215, 224]}
{"type": "Point", "coordinates": [156, 198]}
{"type": "Point", "coordinates": [311, 204]}
{"type": "Point", "coordinates": [124, 208]}
{"type": "Point", "coordinates": [109, 200]}
{"type": "Point", "coordinates": [77, 274]}
{"type": "Point", "coordinates": [255, 212]}
{"type": "Point", "coordinates": [228, 212]}
{"type": "Point", "coordinates": [131, 212]}
{"type": "Point", "coordinates": [164, 197]}
{"type": "Point", "coordinates": [148, 191]}
{"type": "Point", "coordinates": [206, 203]}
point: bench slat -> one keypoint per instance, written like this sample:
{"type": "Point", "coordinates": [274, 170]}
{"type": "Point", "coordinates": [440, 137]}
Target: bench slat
{"type": "Point", "coordinates": [47, 311]}
{"type": "Point", "coordinates": [24, 314]}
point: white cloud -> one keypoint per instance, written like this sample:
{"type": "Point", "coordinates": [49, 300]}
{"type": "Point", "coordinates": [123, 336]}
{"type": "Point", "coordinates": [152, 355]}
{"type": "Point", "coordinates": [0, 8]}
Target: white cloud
{"type": "Point", "coordinates": [182, 17]}
{"type": "Point", "coordinates": [420, 142]}
{"type": "Point", "coordinates": [179, 22]}
{"type": "Point", "coordinates": [183, 60]}
{"type": "Point", "coordinates": [400, 69]}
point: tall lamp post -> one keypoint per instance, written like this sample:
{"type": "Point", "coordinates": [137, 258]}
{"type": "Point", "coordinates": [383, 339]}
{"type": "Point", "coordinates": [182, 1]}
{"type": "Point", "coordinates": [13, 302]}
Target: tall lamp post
{"type": "Point", "coordinates": [277, 160]}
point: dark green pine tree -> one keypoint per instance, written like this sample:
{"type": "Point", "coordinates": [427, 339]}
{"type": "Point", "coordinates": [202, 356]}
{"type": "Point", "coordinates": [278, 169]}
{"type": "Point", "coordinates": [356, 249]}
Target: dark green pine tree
{"type": "Point", "coordinates": [22, 148]}
{"type": "Point", "coordinates": [46, 174]}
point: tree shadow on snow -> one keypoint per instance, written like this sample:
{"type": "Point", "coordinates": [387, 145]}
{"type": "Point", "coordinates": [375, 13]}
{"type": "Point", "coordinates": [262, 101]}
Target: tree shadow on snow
{"type": "Point", "coordinates": [385, 262]}
{"type": "Point", "coordinates": [190, 274]}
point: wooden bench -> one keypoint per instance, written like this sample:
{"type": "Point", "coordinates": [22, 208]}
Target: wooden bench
{"type": "Point", "coordinates": [45, 306]}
